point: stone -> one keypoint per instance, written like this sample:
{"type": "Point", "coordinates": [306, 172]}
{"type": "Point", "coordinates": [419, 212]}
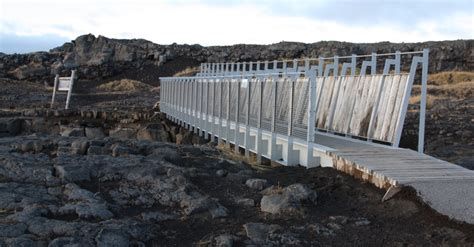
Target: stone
{"type": "Point", "coordinates": [183, 139]}
{"type": "Point", "coordinates": [10, 127]}
{"type": "Point", "coordinates": [224, 240]}
{"type": "Point", "coordinates": [221, 173]}
{"type": "Point", "coordinates": [12, 230]}
{"type": "Point", "coordinates": [256, 183]}
{"type": "Point", "coordinates": [79, 146]}
{"type": "Point", "coordinates": [30, 71]}
{"type": "Point", "coordinates": [362, 222]}
{"type": "Point", "coordinates": [157, 216]}
{"type": "Point", "coordinates": [71, 131]}
{"type": "Point", "coordinates": [339, 219]}
{"type": "Point", "coordinates": [97, 150]}
{"type": "Point", "coordinates": [121, 151]}
{"type": "Point", "coordinates": [334, 226]}
{"type": "Point", "coordinates": [112, 237]}
{"type": "Point", "coordinates": [153, 132]}
{"type": "Point", "coordinates": [287, 200]}
{"type": "Point", "coordinates": [22, 242]}
{"type": "Point", "coordinates": [73, 173]}
{"type": "Point", "coordinates": [259, 232]}
{"type": "Point", "coordinates": [123, 133]}
{"type": "Point", "coordinates": [201, 204]}
{"type": "Point", "coordinates": [246, 202]}
{"type": "Point", "coordinates": [94, 133]}
{"type": "Point", "coordinates": [70, 241]}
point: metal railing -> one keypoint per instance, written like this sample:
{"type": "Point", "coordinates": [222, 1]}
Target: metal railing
{"type": "Point", "coordinates": [256, 105]}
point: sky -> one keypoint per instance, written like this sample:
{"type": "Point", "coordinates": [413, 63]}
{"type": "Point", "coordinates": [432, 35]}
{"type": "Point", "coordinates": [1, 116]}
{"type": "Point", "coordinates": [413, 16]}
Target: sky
{"type": "Point", "coordinates": [34, 25]}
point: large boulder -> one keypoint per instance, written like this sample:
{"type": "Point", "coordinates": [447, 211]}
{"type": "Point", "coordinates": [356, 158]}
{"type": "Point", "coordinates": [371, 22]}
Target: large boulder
{"type": "Point", "coordinates": [287, 200]}
{"type": "Point", "coordinates": [153, 132]}
{"type": "Point", "coordinates": [123, 133]}
{"type": "Point", "coordinates": [30, 71]}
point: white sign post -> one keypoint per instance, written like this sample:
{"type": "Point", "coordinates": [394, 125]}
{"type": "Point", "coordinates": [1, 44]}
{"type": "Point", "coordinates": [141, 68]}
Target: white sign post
{"type": "Point", "coordinates": [63, 84]}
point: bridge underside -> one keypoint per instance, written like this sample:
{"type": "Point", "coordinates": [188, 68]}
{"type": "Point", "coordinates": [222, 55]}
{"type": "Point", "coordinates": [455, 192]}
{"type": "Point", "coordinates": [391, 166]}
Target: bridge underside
{"type": "Point", "coordinates": [384, 166]}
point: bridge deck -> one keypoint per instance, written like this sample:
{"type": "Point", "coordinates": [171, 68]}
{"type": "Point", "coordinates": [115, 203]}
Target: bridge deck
{"type": "Point", "coordinates": [446, 187]}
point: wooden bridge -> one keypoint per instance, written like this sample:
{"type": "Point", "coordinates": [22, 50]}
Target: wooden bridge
{"type": "Point", "coordinates": [323, 112]}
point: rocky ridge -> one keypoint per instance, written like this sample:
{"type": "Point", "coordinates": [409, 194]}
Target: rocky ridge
{"type": "Point", "coordinates": [101, 57]}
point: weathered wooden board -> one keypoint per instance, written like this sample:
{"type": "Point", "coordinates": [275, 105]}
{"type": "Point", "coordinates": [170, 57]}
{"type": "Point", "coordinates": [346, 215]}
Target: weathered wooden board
{"type": "Point", "coordinates": [325, 96]}
{"type": "Point", "coordinates": [389, 108]}
{"type": "Point", "coordinates": [363, 104]}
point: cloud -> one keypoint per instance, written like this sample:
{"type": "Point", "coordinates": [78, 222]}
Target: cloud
{"type": "Point", "coordinates": [12, 43]}
{"type": "Point", "coordinates": [213, 22]}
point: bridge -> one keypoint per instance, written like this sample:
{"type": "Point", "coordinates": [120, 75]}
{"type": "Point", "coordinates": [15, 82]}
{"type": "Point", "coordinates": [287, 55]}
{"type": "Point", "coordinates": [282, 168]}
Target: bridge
{"type": "Point", "coordinates": [344, 112]}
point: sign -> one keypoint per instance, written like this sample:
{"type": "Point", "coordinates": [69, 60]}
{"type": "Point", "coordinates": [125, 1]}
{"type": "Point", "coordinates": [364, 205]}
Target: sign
{"type": "Point", "coordinates": [64, 83]}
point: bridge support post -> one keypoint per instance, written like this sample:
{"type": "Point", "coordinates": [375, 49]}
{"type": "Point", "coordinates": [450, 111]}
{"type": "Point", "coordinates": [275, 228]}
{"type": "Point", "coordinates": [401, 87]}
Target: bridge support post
{"type": "Point", "coordinates": [424, 79]}
{"type": "Point", "coordinates": [291, 160]}
{"type": "Point", "coordinates": [311, 162]}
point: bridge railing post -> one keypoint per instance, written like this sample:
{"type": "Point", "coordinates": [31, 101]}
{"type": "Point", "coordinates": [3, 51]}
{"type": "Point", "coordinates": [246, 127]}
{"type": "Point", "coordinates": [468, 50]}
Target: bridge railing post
{"type": "Point", "coordinates": [273, 144]}
{"type": "Point", "coordinates": [424, 85]}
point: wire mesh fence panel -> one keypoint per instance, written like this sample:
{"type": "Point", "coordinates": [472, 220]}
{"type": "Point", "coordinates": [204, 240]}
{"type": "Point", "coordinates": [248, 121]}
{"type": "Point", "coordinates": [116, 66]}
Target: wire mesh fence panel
{"type": "Point", "coordinates": [224, 84]}
{"type": "Point", "coordinates": [233, 98]}
{"type": "Point", "coordinates": [267, 103]}
{"type": "Point", "coordinates": [282, 101]}
{"type": "Point", "coordinates": [244, 84]}
{"type": "Point", "coordinates": [300, 107]}
{"type": "Point", "coordinates": [255, 86]}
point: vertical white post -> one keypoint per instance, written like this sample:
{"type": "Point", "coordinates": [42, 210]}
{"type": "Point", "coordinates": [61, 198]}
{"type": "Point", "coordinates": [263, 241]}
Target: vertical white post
{"type": "Point", "coordinates": [258, 141]}
{"type": "Point", "coordinates": [213, 100]}
{"type": "Point", "coordinates": [247, 114]}
{"type": "Point", "coordinates": [397, 62]}
{"type": "Point", "coordinates": [289, 152]}
{"type": "Point", "coordinates": [55, 88]}
{"type": "Point", "coordinates": [335, 93]}
{"type": "Point", "coordinates": [196, 109]}
{"type": "Point", "coordinates": [206, 98]}
{"type": "Point", "coordinates": [424, 85]}
{"type": "Point", "coordinates": [221, 99]}
{"type": "Point", "coordinates": [320, 66]}
{"type": "Point", "coordinates": [229, 83]}
{"type": "Point", "coordinates": [201, 107]}
{"type": "Point", "coordinates": [181, 101]}
{"type": "Point", "coordinates": [353, 64]}
{"type": "Point", "coordinates": [311, 117]}
{"type": "Point", "coordinates": [69, 92]}
{"type": "Point", "coordinates": [373, 67]}
{"type": "Point", "coordinates": [237, 110]}
{"type": "Point", "coordinates": [189, 93]}
{"type": "Point", "coordinates": [273, 145]}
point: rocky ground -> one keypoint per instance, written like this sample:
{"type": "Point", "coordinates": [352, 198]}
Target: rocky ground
{"type": "Point", "coordinates": [111, 172]}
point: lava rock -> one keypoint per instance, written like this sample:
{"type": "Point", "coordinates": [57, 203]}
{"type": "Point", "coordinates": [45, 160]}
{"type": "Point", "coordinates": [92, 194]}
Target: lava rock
{"type": "Point", "coordinates": [71, 131]}
{"type": "Point", "coordinates": [256, 183]}
{"type": "Point", "coordinates": [94, 133]}
{"type": "Point", "coordinates": [288, 200]}
{"type": "Point", "coordinates": [123, 133]}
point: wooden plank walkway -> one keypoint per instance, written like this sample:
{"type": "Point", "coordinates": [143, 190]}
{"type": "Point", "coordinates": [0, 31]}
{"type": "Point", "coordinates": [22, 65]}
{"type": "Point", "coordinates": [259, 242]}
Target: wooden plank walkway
{"type": "Point", "coordinates": [446, 187]}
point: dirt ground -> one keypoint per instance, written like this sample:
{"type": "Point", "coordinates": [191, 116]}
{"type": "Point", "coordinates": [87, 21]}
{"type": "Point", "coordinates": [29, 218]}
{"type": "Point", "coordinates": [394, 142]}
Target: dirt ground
{"type": "Point", "coordinates": [347, 212]}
